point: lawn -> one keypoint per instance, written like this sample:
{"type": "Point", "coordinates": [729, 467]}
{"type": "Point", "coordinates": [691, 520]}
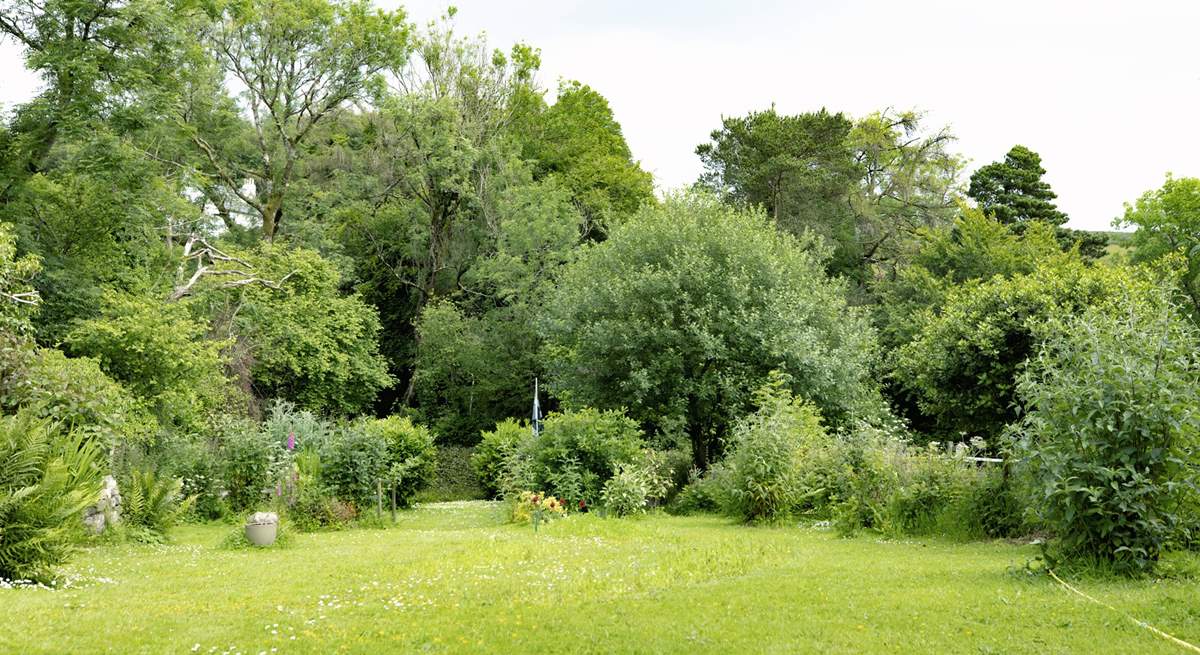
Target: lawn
{"type": "Point", "coordinates": [454, 578]}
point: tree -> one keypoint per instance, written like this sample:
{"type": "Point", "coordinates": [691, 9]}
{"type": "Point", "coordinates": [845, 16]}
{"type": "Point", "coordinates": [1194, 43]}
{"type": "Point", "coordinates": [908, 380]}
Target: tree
{"type": "Point", "coordinates": [963, 365]}
{"type": "Point", "coordinates": [96, 57]}
{"type": "Point", "coordinates": [300, 63]}
{"type": "Point", "coordinates": [1168, 223]}
{"type": "Point", "coordinates": [478, 355]}
{"type": "Point", "coordinates": [440, 159]}
{"type": "Point", "coordinates": [579, 143]}
{"type": "Point", "coordinates": [798, 168]}
{"type": "Point", "coordinates": [303, 341]}
{"type": "Point", "coordinates": [866, 186]}
{"type": "Point", "coordinates": [683, 312]}
{"type": "Point", "coordinates": [1013, 192]}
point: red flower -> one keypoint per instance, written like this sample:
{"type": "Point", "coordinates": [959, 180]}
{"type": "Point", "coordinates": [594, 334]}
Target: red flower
{"type": "Point", "coordinates": [582, 504]}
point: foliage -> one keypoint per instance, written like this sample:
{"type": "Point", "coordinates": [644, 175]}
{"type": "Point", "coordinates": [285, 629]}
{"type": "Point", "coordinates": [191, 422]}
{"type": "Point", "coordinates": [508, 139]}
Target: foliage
{"type": "Point", "coordinates": [578, 451]}
{"type": "Point", "coordinates": [477, 357]}
{"type": "Point", "coordinates": [249, 458]}
{"type": "Point", "coordinates": [1112, 485]}
{"type": "Point", "coordinates": [47, 478]}
{"type": "Point", "coordinates": [577, 142]}
{"type": "Point", "coordinates": [627, 492]}
{"type": "Point", "coordinates": [865, 186]}
{"type": "Point", "coordinates": [687, 307]}
{"type": "Point", "coordinates": [767, 451]}
{"type": "Point", "coordinates": [303, 342]}
{"type": "Point", "coordinates": [411, 455]}
{"type": "Point", "coordinates": [1012, 191]}
{"type": "Point", "coordinates": [153, 502]}
{"type": "Point", "coordinates": [1168, 223]}
{"type": "Point", "coordinates": [160, 354]}
{"type": "Point", "coordinates": [356, 464]}
{"type": "Point", "coordinates": [300, 63]}
{"type": "Point", "coordinates": [493, 451]}
{"type": "Point", "coordinates": [973, 248]}
{"type": "Point", "coordinates": [77, 393]}
{"type": "Point", "coordinates": [963, 365]}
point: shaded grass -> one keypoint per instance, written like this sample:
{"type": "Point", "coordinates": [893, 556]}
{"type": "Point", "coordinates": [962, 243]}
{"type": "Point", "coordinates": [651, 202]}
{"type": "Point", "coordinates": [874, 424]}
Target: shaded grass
{"type": "Point", "coordinates": [454, 578]}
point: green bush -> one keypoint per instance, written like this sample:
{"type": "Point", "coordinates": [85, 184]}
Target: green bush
{"type": "Point", "coordinates": [1111, 437]}
{"type": "Point", "coordinates": [494, 450]}
{"type": "Point", "coordinates": [153, 503]}
{"type": "Point", "coordinates": [411, 456]}
{"type": "Point", "coordinates": [578, 451]}
{"type": "Point", "coordinates": [963, 366]}
{"type": "Point", "coordinates": [308, 431]}
{"type": "Point", "coordinates": [47, 479]}
{"type": "Point", "coordinates": [356, 464]}
{"type": "Point", "coordinates": [767, 451]}
{"type": "Point", "coordinates": [160, 353]}
{"type": "Point", "coordinates": [249, 458]}
{"type": "Point", "coordinates": [627, 491]}
{"type": "Point", "coordinates": [75, 392]}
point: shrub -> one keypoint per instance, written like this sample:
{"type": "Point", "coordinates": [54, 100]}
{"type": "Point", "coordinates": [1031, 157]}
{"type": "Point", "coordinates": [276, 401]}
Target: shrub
{"type": "Point", "coordinates": [160, 353]}
{"type": "Point", "coordinates": [627, 492]}
{"type": "Point", "coordinates": [493, 451]}
{"type": "Point", "coordinates": [249, 458]}
{"type": "Point", "coordinates": [307, 431]}
{"type": "Point", "coordinates": [153, 503]}
{"type": "Point", "coordinates": [963, 366]}
{"type": "Point", "coordinates": [578, 451]}
{"type": "Point", "coordinates": [703, 493]}
{"type": "Point", "coordinates": [47, 478]}
{"type": "Point", "coordinates": [310, 507]}
{"type": "Point", "coordinates": [75, 392]}
{"type": "Point", "coordinates": [1112, 438]}
{"type": "Point", "coordinates": [411, 455]}
{"type": "Point", "coordinates": [356, 463]}
{"type": "Point", "coordinates": [767, 452]}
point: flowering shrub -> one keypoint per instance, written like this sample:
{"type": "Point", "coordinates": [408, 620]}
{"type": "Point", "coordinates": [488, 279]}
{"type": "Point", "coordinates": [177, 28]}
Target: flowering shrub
{"type": "Point", "coordinates": [537, 508]}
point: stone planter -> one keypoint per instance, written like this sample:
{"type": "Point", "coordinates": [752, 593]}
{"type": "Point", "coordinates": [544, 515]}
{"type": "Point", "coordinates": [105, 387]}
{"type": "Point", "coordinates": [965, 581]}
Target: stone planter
{"type": "Point", "coordinates": [262, 528]}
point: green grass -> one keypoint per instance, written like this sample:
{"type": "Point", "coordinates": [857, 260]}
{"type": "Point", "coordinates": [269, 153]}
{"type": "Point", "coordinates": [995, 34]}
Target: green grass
{"type": "Point", "coordinates": [454, 578]}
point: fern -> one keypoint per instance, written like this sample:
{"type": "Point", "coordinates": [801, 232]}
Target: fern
{"type": "Point", "coordinates": [47, 478]}
{"type": "Point", "coordinates": [153, 503]}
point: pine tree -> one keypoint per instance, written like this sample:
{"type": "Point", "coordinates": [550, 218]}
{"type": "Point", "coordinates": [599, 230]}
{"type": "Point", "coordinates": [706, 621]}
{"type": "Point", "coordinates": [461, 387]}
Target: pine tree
{"type": "Point", "coordinates": [1013, 192]}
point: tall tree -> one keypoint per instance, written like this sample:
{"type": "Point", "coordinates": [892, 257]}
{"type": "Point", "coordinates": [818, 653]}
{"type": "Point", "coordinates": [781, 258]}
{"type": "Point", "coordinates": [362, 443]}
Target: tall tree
{"type": "Point", "coordinates": [1013, 191]}
{"type": "Point", "coordinates": [578, 141]}
{"type": "Point", "coordinates": [298, 63]}
{"type": "Point", "coordinates": [864, 186]}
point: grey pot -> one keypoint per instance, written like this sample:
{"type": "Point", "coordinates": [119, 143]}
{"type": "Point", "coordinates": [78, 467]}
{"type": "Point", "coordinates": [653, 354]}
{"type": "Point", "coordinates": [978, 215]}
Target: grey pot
{"type": "Point", "coordinates": [261, 534]}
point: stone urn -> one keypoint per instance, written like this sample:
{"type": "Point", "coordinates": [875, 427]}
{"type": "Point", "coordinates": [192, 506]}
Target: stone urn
{"type": "Point", "coordinates": [262, 528]}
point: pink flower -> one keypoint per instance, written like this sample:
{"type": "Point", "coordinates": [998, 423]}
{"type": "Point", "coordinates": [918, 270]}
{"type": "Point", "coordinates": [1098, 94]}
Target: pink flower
{"type": "Point", "coordinates": [291, 445]}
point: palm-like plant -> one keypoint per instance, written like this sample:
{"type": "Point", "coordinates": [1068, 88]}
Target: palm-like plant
{"type": "Point", "coordinates": [153, 503]}
{"type": "Point", "coordinates": [47, 478]}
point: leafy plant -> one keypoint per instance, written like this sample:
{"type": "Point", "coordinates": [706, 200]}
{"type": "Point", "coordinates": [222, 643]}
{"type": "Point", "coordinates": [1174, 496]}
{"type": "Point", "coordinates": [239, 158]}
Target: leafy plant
{"type": "Point", "coordinates": [492, 452]}
{"type": "Point", "coordinates": [578, 451]}
{"type": "Point", "coordinates": [411, 455]}
{"type": "Point", "coordinates": [1112, 438]}
{"type": "Point", "coordinates": [47, 478]}
{"type": "Point", "coordinates": [767, 451]}
{"type": "Point", "coordinates": [355, 463]}
{"type": "Point", "coordinates": [627, 492]}
{"type": "Point", "coordinates": [155, 503]}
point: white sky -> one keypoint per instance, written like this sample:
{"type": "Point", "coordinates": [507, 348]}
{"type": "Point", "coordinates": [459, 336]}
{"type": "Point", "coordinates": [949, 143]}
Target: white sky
{"type": "Point", "coordinates": [1107, 92]}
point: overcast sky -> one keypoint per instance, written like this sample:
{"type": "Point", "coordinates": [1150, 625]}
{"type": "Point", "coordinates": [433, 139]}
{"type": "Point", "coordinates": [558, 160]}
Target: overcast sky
{"type": "Point", "coordinates": [1107, 92]}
